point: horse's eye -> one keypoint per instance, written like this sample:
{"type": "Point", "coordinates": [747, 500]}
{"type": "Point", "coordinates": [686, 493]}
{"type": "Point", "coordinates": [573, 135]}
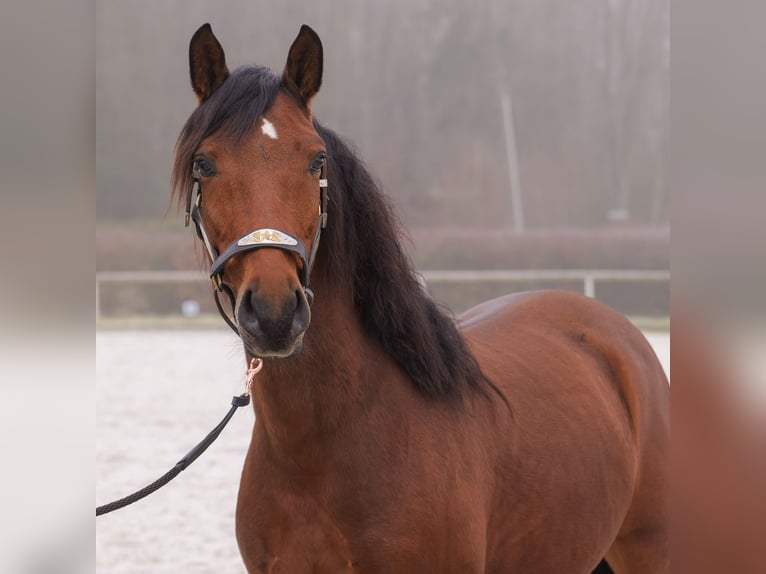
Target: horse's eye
{"type": "Point", "coordinates": [318, 163]}
{"type": "Point", "coordinates": [205, 167]}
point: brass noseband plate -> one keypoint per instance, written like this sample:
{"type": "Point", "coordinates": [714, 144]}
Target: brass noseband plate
{"type": "Point", "coordinates": [267, 237]}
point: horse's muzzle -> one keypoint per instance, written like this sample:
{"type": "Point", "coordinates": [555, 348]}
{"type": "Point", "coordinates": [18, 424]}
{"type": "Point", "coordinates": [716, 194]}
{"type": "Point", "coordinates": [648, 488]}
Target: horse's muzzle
{"type": "Point", "coordinates": [273, 328]}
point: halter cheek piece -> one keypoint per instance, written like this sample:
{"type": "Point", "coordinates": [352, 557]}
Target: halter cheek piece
{"type": "Point", "coordinates": [256, 239]}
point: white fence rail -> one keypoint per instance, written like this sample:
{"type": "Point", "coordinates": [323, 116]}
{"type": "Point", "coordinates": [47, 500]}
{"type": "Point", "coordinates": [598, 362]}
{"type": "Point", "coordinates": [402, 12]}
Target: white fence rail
{"type": "Point", "coordinates": [587, 276]}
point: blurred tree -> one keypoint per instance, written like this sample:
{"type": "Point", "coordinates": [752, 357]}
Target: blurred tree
{"type": "Point", "coordinates": [417, 85]}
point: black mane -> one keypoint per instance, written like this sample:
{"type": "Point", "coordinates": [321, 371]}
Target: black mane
{"type": "Point", "coordinates": [361, 243]}
{"type": "Point", "coordinates": [365, 245]}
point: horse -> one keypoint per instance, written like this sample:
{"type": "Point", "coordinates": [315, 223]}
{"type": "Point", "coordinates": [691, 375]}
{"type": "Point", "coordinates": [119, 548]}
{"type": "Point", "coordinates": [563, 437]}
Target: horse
{"type": "Point", "coordinates": [529, 434]}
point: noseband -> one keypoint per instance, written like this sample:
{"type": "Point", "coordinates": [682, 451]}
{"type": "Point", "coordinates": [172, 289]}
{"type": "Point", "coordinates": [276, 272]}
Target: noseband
{"type": "Point", "coordinates": [256, 239]}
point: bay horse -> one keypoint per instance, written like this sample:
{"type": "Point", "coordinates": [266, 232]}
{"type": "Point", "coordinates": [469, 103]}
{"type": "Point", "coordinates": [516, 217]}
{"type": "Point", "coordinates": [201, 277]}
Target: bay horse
{"type": "Point", "coordinates": [529, 435]}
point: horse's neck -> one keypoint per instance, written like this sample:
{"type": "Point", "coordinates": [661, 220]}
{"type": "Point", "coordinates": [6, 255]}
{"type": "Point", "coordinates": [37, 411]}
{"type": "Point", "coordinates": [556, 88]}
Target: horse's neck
{"type": "Point", "coordinates": [322, 391]}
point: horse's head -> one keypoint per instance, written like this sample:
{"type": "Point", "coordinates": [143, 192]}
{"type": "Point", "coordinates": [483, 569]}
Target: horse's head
{"type": "Point", "coordinates": [260, 190]}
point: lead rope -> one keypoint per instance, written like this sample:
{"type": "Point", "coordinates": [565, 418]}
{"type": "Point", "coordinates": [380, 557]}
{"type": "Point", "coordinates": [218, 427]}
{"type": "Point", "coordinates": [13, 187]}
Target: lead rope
{"type": "Point", "coordinates": [237, 401]}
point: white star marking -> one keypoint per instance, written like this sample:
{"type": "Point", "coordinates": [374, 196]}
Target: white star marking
{"type": "Point", "coordinates": [269, 129]}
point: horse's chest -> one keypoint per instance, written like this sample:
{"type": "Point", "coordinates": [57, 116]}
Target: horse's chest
{"type": "Point", "coordinates": [297, 536]}
{"type": "Point", "coordinates": [297, 555]}
{"type": "Point", "coordinates": [292, 536]}
{"type": "Point", "coordinates": [409, 517]}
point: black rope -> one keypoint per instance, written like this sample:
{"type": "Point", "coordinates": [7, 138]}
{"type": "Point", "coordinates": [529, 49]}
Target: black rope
{"type": "Point", "coordinates": [236, 402]}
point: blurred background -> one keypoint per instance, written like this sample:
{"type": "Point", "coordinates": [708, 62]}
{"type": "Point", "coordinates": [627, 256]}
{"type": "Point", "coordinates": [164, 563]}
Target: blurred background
{"type": "Point", "coordinates": [513, 136]}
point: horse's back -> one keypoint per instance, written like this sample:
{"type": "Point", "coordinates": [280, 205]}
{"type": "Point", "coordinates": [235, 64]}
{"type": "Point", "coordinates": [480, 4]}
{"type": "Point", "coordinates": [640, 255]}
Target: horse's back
{"type": "Point", "coordinates": [587, 437]}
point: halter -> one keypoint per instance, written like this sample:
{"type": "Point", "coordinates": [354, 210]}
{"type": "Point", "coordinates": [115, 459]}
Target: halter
{"type": "Point", "coordinates": [256, 239]}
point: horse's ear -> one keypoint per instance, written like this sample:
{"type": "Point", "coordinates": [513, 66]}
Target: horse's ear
{"type": "Point", "coordinates": [207, 63]}
{"type": "Point", "coordinates": [303, 71]}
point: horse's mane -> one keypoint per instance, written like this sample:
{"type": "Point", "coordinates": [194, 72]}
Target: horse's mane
{"type": "Point", "coordinates": [361, 244]}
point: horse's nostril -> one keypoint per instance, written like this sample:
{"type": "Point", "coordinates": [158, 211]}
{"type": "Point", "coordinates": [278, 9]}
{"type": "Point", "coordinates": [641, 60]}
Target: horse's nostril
{"type": "Point", "coordinates": [290, 306]}
{"type": "Point", "coordinates": [302, 314]}
{"type": "Point", "coordinates": [273, 322]}
{"type": "Point", "coordinates": [249, 304]}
